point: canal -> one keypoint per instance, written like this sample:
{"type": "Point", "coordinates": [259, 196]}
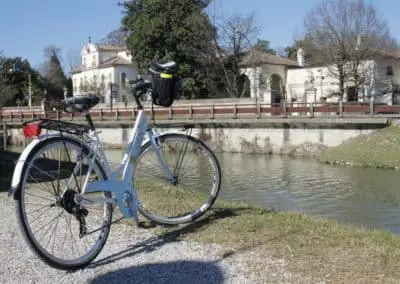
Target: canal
{"type": "Point", "coordinates": [364, 197]}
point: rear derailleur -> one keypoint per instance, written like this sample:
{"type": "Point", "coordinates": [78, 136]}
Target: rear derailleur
{"type": "Point", "coordinates": [68, 203]}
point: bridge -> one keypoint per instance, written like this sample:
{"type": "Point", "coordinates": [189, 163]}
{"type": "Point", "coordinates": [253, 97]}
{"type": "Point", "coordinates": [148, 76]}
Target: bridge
{"type": "Point", "coordinates": [198, 111]}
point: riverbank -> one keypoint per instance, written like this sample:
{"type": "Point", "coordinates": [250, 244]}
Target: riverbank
{"type": "Point", "coordinates": [378, 149]}
{"type": "Point", "coordinates": [313, 249]}
{"type": "Point", "coordinates": [233, 243]}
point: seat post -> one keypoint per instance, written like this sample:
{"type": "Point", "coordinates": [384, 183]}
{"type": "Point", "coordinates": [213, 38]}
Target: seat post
{"type": "Point", "coordinates": [89, 120]}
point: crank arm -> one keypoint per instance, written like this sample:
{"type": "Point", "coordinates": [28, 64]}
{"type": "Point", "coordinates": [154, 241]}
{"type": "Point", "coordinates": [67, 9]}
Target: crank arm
{"type": "Point", "coordinates": [85, 200]}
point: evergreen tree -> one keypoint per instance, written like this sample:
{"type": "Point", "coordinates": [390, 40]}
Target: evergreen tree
{"type": "Point", "coordinates": [179, 30]}
{"type": "Point", "coordinates": [54, 76]}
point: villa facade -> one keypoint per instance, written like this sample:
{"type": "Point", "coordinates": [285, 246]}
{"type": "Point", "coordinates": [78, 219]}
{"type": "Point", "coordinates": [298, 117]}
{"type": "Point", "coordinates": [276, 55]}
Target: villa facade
{"type": "Point", "coordinates": [274, 79]}
{"type": "Point", "coordinates": [103, 67]}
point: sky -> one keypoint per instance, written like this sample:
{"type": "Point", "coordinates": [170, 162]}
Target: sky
{"type": "Point", "coordinates": [27, 26]}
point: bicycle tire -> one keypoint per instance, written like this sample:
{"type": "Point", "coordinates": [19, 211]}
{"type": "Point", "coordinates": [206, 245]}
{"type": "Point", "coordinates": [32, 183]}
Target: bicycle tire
{"type": "Point", "coordinates": [25, 228]}
{"type": "Point", "coordinates": [195, 213]}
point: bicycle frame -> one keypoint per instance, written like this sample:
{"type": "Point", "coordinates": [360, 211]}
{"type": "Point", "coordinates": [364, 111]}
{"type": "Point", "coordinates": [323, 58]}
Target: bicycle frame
{"type": "Point", "coordinates": [124, 193]}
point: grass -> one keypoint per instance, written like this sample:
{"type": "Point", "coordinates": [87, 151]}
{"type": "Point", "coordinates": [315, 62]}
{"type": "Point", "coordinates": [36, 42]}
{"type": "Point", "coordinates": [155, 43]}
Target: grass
{"type": "Point", "coordinates": [379, 149]}
{"type": "Point", "coordinates": [316, 249]}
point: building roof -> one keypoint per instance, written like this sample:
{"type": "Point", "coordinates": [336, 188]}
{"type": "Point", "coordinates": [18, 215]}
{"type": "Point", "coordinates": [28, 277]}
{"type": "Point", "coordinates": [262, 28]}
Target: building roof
{"type": "Point", "coordinates": [116, 60]}
{"type": "Point", "coordinates": [259, 57]}
{"type": "Point", "coordinates": [395, 54]}
{"type": "Point", "coordinates": [113, 61]}
{"type": "Point", "coordinates": [105, 47]}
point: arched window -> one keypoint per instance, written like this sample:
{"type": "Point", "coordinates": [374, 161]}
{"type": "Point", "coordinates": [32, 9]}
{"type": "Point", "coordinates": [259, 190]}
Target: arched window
{"type": "Point", "coordinates": [123, 79]}
{"type": "Point", "coordinates": [94, 61]}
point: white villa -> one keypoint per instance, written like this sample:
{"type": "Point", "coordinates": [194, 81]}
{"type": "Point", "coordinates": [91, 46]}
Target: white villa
{"type": "Point", "coordinates": [275, 78]}
{"type": "Point", "coordinates": [101, 66]}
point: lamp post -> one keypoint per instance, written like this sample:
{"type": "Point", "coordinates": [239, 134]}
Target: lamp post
{"type": "Point", "coordinates": [322, 80]}
{"type": "Point", "coordinates": [389, 74]}
{"type": "Point", "coordinates": [29, 90]}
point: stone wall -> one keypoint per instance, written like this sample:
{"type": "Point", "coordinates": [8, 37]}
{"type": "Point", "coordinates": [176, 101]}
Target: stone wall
{"type": "Point", "coordinates": [282, 136]}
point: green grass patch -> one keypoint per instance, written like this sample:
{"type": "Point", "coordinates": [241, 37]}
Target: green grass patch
{"type": "Point", "coordinates": [379, 149]}
{"type": "Point", "coordinates": [313, 248]}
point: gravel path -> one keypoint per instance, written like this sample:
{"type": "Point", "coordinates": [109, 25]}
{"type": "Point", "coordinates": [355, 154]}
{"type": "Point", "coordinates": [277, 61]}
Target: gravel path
{"type": "Point", "coordinates": [133, 255]}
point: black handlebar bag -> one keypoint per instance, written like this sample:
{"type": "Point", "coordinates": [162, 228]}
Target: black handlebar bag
{"type": "Point", "coordinates": [165, 88]}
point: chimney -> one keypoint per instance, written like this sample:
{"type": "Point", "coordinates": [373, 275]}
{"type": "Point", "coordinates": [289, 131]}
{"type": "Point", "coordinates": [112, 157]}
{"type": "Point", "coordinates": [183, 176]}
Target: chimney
{"type": "Point", "coordinates": [300, 57]}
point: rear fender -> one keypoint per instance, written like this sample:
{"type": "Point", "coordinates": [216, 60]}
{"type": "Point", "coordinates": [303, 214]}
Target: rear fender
{"type": "Point", "coordinates": [15, 189]}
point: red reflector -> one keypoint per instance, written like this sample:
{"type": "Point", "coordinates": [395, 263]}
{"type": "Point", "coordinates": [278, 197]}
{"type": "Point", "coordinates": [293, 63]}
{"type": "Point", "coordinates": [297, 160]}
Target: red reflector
{"type": "Point", "coordinates": [32, 129]}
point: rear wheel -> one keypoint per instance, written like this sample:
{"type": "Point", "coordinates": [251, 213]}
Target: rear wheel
{"type": "Point", "coordinates": [62, 233]}
{"type": "Point", "coordinates": [196, 184]}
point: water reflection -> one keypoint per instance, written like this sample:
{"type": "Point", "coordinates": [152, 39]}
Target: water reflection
{"type": "Point", "coordinates": [367, 197]}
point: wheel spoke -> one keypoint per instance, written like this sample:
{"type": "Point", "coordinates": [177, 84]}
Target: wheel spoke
{"type": "Point", "coordinates": [191, 162]}
{"type": "Point", "coordinates": [54, 234]}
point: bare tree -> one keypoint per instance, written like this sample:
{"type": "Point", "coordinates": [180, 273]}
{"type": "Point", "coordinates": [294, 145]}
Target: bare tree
{"type": "Point", "coordinates": [73, 59]}
{"type": "Point", "coordinates": [234, 39]}
{"type": "Point", "coordinates": [116, 37]}
{"type": "Point", "coordinates": [347, 33]}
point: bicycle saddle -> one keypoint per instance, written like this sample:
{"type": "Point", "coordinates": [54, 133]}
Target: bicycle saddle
{"type": "Point", "coordinates": [80, 103]}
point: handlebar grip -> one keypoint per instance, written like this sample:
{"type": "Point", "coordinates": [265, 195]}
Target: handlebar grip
{"type": "Point", "coordinates": [132, 82]}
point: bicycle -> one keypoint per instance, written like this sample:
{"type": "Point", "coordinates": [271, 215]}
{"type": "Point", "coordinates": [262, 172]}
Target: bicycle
{"type": "Point", "coordinates": [74, 183]}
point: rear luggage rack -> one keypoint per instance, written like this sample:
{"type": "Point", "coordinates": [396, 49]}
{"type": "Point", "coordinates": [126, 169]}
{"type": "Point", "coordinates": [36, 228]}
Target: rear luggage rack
{"type": "Point", "coordinates": [62, 126]}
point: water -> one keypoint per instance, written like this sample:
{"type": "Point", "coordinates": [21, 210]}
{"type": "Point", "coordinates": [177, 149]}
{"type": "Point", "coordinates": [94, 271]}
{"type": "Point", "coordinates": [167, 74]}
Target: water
{"type": "Point", "coordinates": [366, 197]}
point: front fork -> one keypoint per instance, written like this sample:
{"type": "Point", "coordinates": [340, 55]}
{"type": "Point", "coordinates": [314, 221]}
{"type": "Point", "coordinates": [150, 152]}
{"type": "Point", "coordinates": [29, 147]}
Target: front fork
{"type": "Point", "coordinates": [156, 145]}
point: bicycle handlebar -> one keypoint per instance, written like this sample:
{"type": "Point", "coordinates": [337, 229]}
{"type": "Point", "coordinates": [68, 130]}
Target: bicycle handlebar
{"type": "Point", "coordinates": [139, 88]}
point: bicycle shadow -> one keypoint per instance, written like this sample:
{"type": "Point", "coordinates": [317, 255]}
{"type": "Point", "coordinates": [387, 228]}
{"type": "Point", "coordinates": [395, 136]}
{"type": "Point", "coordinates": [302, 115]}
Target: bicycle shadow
{"type": "Point", "coordinates": [175, 235]}
{"type": "Point", "coordinates": [170, 272]}
{"type": "Point", "coordinates": [7, 164]}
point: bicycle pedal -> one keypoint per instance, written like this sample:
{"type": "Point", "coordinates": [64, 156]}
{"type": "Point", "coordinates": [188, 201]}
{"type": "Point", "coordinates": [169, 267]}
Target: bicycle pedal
{"type": "Point", "coordinates": [147, 225]}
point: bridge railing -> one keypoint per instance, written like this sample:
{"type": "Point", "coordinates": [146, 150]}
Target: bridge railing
{"type": "Point", "coordinates": [218, 111]}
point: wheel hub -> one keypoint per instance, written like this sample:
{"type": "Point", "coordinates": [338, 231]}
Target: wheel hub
{"type": "Point", "coordinates": [68, 203]}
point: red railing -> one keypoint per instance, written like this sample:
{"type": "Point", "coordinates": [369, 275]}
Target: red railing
{"type": "Point", "coordinates": [215, 111]}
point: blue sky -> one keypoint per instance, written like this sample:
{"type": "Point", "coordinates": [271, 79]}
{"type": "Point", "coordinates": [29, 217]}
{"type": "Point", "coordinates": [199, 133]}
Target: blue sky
{"type": "Point", "coordinates": [27, 26]}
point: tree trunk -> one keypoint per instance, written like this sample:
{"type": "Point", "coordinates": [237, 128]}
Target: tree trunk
{"type": "Point", "coordinates": [341, 81]}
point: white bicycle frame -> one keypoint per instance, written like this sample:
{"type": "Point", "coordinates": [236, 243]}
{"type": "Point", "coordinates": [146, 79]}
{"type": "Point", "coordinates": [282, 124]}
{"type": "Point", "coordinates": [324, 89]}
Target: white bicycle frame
{"type": "Point", "coordinates": [124, 193]}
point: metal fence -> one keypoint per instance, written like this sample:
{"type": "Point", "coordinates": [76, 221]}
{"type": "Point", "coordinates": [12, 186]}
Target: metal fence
{"type": "Point", "coordinates": [218, 111]}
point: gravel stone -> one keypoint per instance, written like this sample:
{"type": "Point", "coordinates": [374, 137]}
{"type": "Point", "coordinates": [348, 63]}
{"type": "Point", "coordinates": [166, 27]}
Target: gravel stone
{"type": "Point", "coordinates": [133, 255]}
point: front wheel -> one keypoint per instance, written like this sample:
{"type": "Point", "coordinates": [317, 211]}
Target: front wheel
{"type": "Point", "coordinates": [195, 185]}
